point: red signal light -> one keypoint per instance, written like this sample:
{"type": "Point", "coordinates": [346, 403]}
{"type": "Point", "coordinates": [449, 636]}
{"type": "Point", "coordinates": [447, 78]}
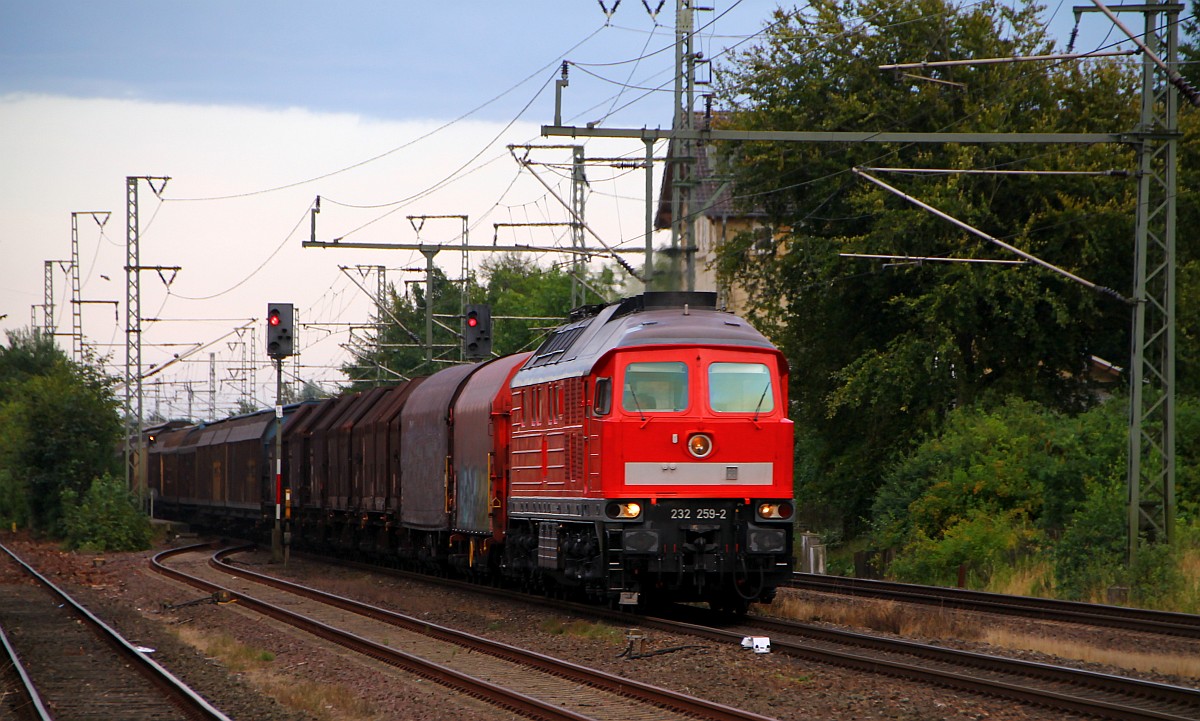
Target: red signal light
{"type": "Point", "coordinates": [274, 318]}
{"type": "Point", "coordinates": [472, 321]}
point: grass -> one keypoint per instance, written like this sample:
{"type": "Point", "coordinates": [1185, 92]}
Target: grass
{"type": "Point", "coordinates": [886, 616]}
{"type": "Point", "coordinates": [1190, 568]}
{"type": "Point", "coordinates": [325, 702]}
{"type": "Point", "coordinates": [786, 680]}
{"type": "Point", "coordinates": [583, 629]}
{"type": "Point", "coordinates": [1184, 666]}
{"type": "Point", "coordinates": [233, 654]}
{"type": "Point", "coordinates": [1028, 578]}
{"type": "Point", "coordinates": [927, 622]}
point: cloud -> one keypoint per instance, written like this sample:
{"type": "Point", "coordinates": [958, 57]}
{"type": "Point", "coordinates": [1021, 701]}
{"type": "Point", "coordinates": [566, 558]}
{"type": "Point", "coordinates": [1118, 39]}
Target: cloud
{"type": "Point", "coordinates": [238, 247]}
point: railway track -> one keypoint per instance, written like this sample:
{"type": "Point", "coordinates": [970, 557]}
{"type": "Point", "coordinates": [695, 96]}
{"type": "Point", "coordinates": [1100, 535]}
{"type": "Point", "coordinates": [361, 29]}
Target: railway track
{"type": "Point", "coordinates": [520, 681]}
{"type": "Point", "coordinates": [71, 666]}
{"type": "Point", "coordinates": [1129, 619]}
{"type": "Point", "coordinates": [1055, 687]}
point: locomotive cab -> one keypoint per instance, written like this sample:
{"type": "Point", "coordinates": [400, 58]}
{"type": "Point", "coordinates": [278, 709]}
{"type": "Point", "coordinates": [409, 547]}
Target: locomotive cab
{"type": "Point", "coordinates": [652, 456]}
{"type": "Point", "coordinates": [697, 461]}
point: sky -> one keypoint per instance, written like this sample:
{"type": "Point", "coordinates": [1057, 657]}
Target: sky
{"type": "Point", "coordinates": [383, 109]}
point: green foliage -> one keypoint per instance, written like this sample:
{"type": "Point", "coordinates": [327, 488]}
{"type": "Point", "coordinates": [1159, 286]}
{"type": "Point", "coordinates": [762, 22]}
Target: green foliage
{"type": "Point", "coordinates": [880, 354]}
{"type": "Point", "coordinates": [1019, 459]}
{"type": "Point", "coordinates": [1155, 577]}
{"type": "Point", "coordinates": [518, 288]}
{"type": "Point", "coordinates": [401, 352]}
{"type": "Point", "coordinates": [58, 429]}
{"type": "Point", "coordinates": [981, 540]}
{"type": "Point", "coordinates": [243, 407]}
{"type": "Point", "coordinates": [107, 518]}
{"type": "Point", "coordinates": [998, 483]}
{"type": "Point", "coordinates": [310, 391]}
{"type": "Point", "coordinates": [1187, 457]}
{"type": "Point", "coordinates": [14, 508]}
{"type": "Point", "coordinates": [29, 354]}
{"type": "Point", "coordinates": [998, 486]}
{"type": "Point", "coordinates": [1091, 553]}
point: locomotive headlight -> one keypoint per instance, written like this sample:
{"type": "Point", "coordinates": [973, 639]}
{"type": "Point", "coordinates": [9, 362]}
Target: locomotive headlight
{"type": "Point", "coordinates": [771, 511]}
{"type": "Point", "coordinates": [627, 509]}
{"type": "Point", "coordinates": [700, 445]}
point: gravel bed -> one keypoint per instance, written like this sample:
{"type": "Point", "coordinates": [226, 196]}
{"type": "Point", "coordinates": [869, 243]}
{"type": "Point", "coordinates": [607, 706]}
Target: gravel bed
{"type": "Point", "coordinates": [125, 592]}
{"type": "Point", "coordinates": [122, 590]}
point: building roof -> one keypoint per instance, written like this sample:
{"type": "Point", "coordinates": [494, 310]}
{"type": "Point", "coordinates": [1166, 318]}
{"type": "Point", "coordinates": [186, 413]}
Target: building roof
{"type": "Point", "coordinates": [712, 194]}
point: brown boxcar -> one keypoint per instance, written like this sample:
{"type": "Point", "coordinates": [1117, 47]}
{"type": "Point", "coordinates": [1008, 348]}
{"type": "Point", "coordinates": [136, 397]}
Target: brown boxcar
{"type": "Point", "coordinates": [210, 465]}
{"type": "Point", "coordinates": [481, 429]}
{"type": "Point", "coordinates": [245, 460]}
{"type": "Point", "coordinates": [164, 475]}
{"type": "Point", "coordinates": [345, 463]}
{"type": "Point", "coordinates": [376, 448]}
{"type": "Point", "coordinates": [298, 451]}
{"type": "Point", "coordinates": [425, 451]}
{"type": "Point", "coordinates": [321, 455]}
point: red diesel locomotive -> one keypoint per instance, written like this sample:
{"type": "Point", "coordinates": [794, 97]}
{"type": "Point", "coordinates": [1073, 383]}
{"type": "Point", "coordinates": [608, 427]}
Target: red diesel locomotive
{"type": "Point", "coordinates": [643, 452]}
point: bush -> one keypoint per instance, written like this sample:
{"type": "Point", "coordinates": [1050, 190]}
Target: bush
{"type": "Point", "coordinates": [993, 484]}
{"type": "Point", "coordinates": [58, 428]}
{"type": "Point", "coordinates": [983, 542]}
{"type": "Point", "coordinates": [1155, 579]}
{"type": "Point", "coordinates": [14, 501]}
{"type": "Point", "coordinates": [107, 519]}
{"type": "Point", "coordinates": [1090, 556]}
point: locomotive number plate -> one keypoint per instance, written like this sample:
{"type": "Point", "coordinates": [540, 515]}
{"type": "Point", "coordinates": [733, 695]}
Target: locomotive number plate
{"type": "Point", "coordinates": [700, 513]}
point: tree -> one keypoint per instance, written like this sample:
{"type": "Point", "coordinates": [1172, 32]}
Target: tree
{"type": "Point", "coordinates": [311, 391]}
{"type": "Point", "coordinates": [993, 484]}
{"type": "Point", "coordinates": [880, 354]}
{"type": "Point", "coordinates": [518, 287]}
{"type": "Point", "coordinates": [1188, 278]}
{"type": "Point", "coordinates": [106, 518]}
{"type": "Point", "coordinates": [243, 407]}
{"type": "Point", "coordinates": [27, 355]}
{"type": "Point", "coordinates": [401, 335]}
{"type": "Point", "coordinates": [515, 287]}
{"type": "Point", "coordinates": [59, 428]}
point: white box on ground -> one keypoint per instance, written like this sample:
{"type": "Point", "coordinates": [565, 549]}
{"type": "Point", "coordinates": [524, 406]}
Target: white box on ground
{"type": "Point", "coordinates": [760, 644]}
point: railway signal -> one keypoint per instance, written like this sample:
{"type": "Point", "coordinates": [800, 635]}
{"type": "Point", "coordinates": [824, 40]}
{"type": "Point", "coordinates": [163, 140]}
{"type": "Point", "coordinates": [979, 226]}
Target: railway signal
{"type": "Point", "coordinates": [477, 332]}
{"type": "Point", "coordinates": [280, 335]}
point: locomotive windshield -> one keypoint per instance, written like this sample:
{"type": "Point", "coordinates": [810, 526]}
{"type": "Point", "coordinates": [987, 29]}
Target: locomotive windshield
{"type": "Point", "coordinates": [659, 386]}
{"type": "Point", "coordinates": [740, 388]}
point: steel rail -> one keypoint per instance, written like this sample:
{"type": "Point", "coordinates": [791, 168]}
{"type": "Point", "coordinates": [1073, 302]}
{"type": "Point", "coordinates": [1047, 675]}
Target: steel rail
{"type": "Point", "coordinates": [32, 703]}
{"type": "Point", "coordinates": [547, 664]}
{"type": "Point", "coordinates": [1129, 698]}
{"type": "Point", "coordinates": [190, 702]}
{"type": "Point", "coordinates": [477, 688]}
{"type": "Point", "coordinates": [909, 659]}
{"type": "Point", "coordinates": [462, 682]}
{"type": "Point", "coordinates": [1130, 619]}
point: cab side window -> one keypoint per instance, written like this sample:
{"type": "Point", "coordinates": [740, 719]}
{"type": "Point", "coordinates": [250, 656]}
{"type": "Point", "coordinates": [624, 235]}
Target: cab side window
{"type": "Point", "coordinates": [660, 386]}
{"type": "Point", "coordinates": [602, 403]}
